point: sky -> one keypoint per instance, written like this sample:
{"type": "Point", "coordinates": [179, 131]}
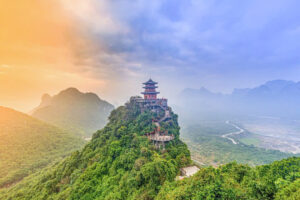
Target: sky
{"type": "Point", "coordinates": [111, 46]}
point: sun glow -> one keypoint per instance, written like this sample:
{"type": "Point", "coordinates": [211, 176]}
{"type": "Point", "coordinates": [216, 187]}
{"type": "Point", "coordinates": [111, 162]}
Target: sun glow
{"type": "Point", "coordinates": [37, 42]}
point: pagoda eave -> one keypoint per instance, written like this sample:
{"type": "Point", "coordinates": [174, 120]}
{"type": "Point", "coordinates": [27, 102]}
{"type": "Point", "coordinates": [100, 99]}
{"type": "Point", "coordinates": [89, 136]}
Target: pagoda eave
{"type": "Point", "coordinates": [150, 87]}
{"type": "Point", "coordinates": [150, 92]}
{"type": "Point", "coordinates": [150, 83]}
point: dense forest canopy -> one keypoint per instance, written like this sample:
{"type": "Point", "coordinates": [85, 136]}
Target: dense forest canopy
{"type": "Point", "coordinates": [118, 163]}
{"type": "Point", "coordinates": [279, 180]}
{"type": "Point", "coordinates": [121, 163]}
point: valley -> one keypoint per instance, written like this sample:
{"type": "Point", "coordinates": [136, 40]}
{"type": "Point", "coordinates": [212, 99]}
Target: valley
{"type": "Point", "coordinates": [215, 142]}
{"type": "Point", "coordinates": [275, 133]}
{"type": "Point", "coordinates": [228, 135]}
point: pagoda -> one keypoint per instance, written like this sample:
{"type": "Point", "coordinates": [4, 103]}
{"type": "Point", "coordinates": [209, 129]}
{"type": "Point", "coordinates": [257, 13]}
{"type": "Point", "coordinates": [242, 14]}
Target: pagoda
{"type": "Point", "coordinates": [150, 90]}
{"type": "Point", "coordinates": [150, 100]}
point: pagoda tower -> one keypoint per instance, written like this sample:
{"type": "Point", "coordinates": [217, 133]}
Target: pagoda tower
{"type": "Point", "coordinates": [150, 90]}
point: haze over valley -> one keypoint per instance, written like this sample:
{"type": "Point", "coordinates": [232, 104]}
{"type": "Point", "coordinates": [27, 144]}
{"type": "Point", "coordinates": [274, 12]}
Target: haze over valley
{"type": "Point", "coordinates": [269, 113]}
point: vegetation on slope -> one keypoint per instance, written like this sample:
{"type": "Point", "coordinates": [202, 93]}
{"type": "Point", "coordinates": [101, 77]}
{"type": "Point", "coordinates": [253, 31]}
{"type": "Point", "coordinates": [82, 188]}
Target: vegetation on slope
{"type": "Point", "coordinates": [78, 112]}
{"type": "Point", "coordinates": [118, 163]}
{"type": "Point", "coordinates": [27, 144]}
{"type": "Point", "coordinates": [279, 180]}
{"type": "Point", "coordinates": [209, 148]}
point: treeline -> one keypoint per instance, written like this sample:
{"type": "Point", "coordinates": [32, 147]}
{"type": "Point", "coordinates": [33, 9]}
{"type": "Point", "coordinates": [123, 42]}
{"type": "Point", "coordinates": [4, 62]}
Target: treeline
{"type": "Point", "coordinates": [279, 180]}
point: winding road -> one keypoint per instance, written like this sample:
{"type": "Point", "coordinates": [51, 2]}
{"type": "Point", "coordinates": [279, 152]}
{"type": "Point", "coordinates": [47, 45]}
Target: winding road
{"type": "Point", "coordinates": [227, 135]}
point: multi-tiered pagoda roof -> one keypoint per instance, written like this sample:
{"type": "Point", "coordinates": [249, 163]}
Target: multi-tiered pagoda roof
{"type": "Point", "coordinates": [150, 89]}
{"type": "Point", "coordinates": [150, 82]}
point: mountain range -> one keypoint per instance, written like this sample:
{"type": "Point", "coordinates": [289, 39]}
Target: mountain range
{"type": "Point", "coordinates": [275, 98]}
{"type": "Point", "coordinates": [81, 113]}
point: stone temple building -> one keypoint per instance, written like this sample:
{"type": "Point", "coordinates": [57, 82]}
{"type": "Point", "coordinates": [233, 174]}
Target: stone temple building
{"type": "Point", "coordinates": [150, 100]}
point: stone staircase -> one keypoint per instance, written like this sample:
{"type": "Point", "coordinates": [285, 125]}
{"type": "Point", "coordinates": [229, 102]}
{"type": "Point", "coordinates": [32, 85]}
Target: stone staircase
{"type": "Point", "coordinates": [158, 138]}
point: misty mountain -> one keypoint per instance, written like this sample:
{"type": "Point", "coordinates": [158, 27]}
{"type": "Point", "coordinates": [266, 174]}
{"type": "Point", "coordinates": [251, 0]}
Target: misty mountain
{"type": "Point", "coordinates": [276, 98]}
{"type": "Point", "coordinates": [28, 144]}
{"type": "Point", "coordinates": [83, 113]}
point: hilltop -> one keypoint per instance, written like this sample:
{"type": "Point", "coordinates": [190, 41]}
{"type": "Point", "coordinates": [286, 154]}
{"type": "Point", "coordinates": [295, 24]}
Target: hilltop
{"type": "Point", "coordinates": [82, 113]}
{"type": "Point", "coordinates": [28, 144]}
{"type": "Point", "coordinates": [118, 163]}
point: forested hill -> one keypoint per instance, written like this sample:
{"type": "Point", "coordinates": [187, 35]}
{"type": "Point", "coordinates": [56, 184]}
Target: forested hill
{"type": "Point", "coordinates": [118, 163]}
{"type": "Point", "coordinates": [28, 144]}
{"type": "Point", "coordinates": [121, 163]}
{"type": "Point", "coordinates": [81, 113]}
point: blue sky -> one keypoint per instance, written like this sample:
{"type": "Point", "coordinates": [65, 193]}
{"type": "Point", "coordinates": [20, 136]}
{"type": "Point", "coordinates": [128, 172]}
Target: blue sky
{"type": "Point", "coordinates": [217, 44]}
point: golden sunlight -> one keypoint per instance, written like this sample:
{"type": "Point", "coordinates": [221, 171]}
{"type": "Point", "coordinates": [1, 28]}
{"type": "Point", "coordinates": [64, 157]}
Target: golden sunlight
{"type": "Point", "coordinates": [36, 51]}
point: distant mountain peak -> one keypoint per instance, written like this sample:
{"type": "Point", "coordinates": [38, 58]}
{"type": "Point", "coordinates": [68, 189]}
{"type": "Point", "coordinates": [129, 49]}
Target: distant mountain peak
{"type": "Point", "coordinates": [277, 85]}
{"type": "Point", "coordinates": [275, 97]}
{"type": "Point", "coordinates": [73, 109]}
{"type": "Point", "coordinates": [70, 91]}
{"type": "Point", "coordinates": [45, 100]}
{"type": "Point", "coordinates": [45, 97]}
{"type": "Point", "coordinates": [201, 90]}
{"type": "Point", "coordinates": [279, 81]}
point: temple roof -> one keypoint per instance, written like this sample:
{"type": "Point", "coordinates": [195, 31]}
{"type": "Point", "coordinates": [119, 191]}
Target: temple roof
{"type": "Point", "coordinates": [150, 82]}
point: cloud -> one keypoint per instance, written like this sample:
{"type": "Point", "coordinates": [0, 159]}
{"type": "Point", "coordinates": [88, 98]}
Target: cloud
{"type": "Point", "coordinates": [94, 15]}
{"type": "Point", "coordinates": [192, 43]}
{"type": "Point", "coordinates": [188, 37]}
